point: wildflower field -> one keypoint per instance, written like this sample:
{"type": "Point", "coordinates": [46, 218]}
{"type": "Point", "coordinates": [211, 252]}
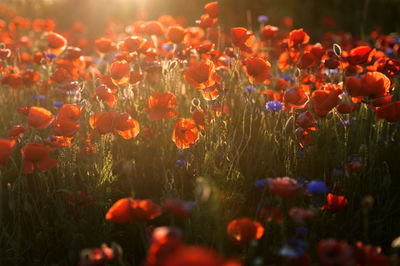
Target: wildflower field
{"type": "Point", "coordinates": [171, 142]}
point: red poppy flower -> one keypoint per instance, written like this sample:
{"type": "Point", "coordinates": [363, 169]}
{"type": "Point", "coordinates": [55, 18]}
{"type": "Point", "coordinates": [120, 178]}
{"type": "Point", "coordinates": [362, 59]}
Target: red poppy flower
{"type": "Point", "coordinates": [303, 136]}
{"type": "Point", "coordinates": [164, 241]}
{"type": "Point", "coordinates": [390, 112]}
{"type": "Point", "coordinates": [123, 123]}
{"type": "Point", "coordinates": [335, 203]}
{"type": "Point", "coordinates": [105, 94]}
{"type": "Point", "coordinates": [270, 32]}
{"type": "Point", "coordinates": [160, 106]}
{"type": "Point", "coordinates": [176, 34]}
{"type": "Point", "coordinates": [300, 216]}
{"type": "Point", "coordinates": [347, 107]}
{"type": "Point", "coordinates": [282, 186]}
{"type": "Point", "coordinates": [298, 37]}
{"type": "Point", "coordinates": [192, 255]}
{"type": "Point", "coordinates": [211, 93]}
{"type": "Point", "coordinates": [372, 84]}
{"type": "Point", "coordinates": [128, 210]}
{"type": "Point", "coordinates": [370, 256]}
{"type": "Point", "coordinates": [307, 60]}
{"type": "Point", "coordinates": [326, 99]}
{"type": "Point", "coordinates": [14, 80]}
{"type": "Point", "coordinates": [199, 116]}
{"type": "Point", "coordinates": [360, 55]}
{"type": "Point", "coordinates": [244, 230]}
{"type": "Point", "coordinates": [257, 69]}
{"type": "Point", "coordinates": [96, 256]}
{"type": "Point", "coordinates": [131, 44]}
{"type": "Point", "coordinates": [153, 28]}
{"type": "Point", "coordinates": [185, 133]}
{"type": "Point", "coordinates": [6, 146]}
{"type": "Point", "coordinates": [178, 208]}
{"type": "Point", "coordinates": [296, 97]}
{"type": "Point", "coordinates": [200, 75]}
{"type": "Point", "coordinates": [306, 121]}
{"type": "Point", "coordinates": [16, 132]}
{"type": "Point", "coordinates": [212, 9]}
{"type": "Point", "coordinates": [105, 45]}
{"type": "Point", "coordinates": [333, 252]}
{"type": "Point", "coordinates": [120, 72]}
{"type": "Point", "coordinates": [38, 117]}
{"type": "Point", "coordinates": [56, 43]}
{"type": "Point", "coordinates": [206, 21]}
{"type": "Point", "coordinates": [242, 38]}
{"type": "Point", "coordinates": [36, 155]}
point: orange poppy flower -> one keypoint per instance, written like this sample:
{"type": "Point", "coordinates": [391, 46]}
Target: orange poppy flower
{"type": "Point", "coordinates": [38, 117]}
{"type": "Point", "coordinates": [176, 34]}
{"type": "Point", "coordinates": [347, 107]}
{"type": "Point", "coordinates": [6, 146]}
{"type": "Point", "coordinates": [104, 45]}
{"type": "Point", "coordinates": [242, 38]}
{"type": "Point", "coordinates": [178, 208]}
{"type": "Point", "coordinates": [282, 186]}
{"type": "Point", "coordinates": [390, 112]}
{"type": "Point", "coordinates": [201, 75]}
{"type": "Point", "coordinates": [120, 72]}
{"type": "Point", "coordinates": [298, 37]}
{"type": "Point", "coordinates": [106, 95]}
{"type": "Point", "coordinates": [244, 230]}
{"type": "Point", "coordinates": [160, 106]}
{"type": "Point", "coordinates": [128, 210]}
{"type": "Point", "coordinates": [185, 133]}
{"type": "Point", "coordinates": [335, 203]}
{"type": "Point", "coordinates": [210, 93]}
{"type": "Point", "coordinates": [36, 155]}
{"type": "Point", "coordinates": [303, 136]}
{"type": "Point", "coordinates": [257, 69]}
{"type": "Point", "coordinates": [56, 43]}
{"type": "Point", "coordinates": [212, 9]}
{"type": "Point", "coordinates": [326, 99]}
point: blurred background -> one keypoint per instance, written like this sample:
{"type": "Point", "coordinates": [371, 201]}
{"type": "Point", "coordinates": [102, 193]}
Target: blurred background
{"type": "Point", "coordinates": [315, 16]}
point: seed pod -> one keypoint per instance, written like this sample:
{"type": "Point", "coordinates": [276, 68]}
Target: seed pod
{"type": "Point", "coordinates": [337, 49]}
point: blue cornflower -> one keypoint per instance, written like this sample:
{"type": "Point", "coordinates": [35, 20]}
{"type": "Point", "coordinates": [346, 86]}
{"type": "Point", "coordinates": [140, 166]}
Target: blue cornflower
{"type": "Point", "coordinates": [250, 88]}
{"type": "Point", "coordinates": [58, 104]}
{"type": "Point", "coordinates": [260, 182]}
{"type": "Point", "coordinates": [286, 77]}
{"type": "Point", "coordinates": [38, 97]}
{"type": "Point", "coordinates": [317, 187]}
{"type": "Point", "coordinates": [274, 106]}
{"type": "Point", "coordinates": [262, 18]}
{"type": "Point", "coordinates": [300, 180]}
{"type": "Point", "coordinates": [167, 47]}
{"type": "Point", "coordinates": [294, 248]}
{"type": "Point", "coordinates": [300, 154]}
{"type": "Point", "coordinates": [180, 163]}
{"type": "Point", "coordinates": [301, 231]}
{"type": "Point", "coordinates": [180, 153]}
{"type": "Point", "coordinates": [51, 55]}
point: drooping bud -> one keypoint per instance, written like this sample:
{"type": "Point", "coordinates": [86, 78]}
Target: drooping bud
{"type": "Point", "coordinates": [337, 50]}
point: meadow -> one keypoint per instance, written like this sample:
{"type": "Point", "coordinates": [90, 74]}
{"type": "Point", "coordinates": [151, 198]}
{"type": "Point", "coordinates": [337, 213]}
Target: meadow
{"type": "Point", "coordinates": [170, 142]}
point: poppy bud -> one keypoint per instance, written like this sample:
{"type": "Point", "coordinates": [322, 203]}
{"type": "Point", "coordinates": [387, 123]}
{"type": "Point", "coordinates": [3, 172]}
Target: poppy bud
{"type": "Point", "coordinates": [2, 46]}
{"type": "Point", "coordinates": [297, 72]}
{"type": "Point", "coordinates": [337, 49]}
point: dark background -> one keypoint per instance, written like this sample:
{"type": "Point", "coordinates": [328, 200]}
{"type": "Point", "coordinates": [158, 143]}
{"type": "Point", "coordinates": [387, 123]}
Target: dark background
{"type": "Point", "coordinates": [349, 15]}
